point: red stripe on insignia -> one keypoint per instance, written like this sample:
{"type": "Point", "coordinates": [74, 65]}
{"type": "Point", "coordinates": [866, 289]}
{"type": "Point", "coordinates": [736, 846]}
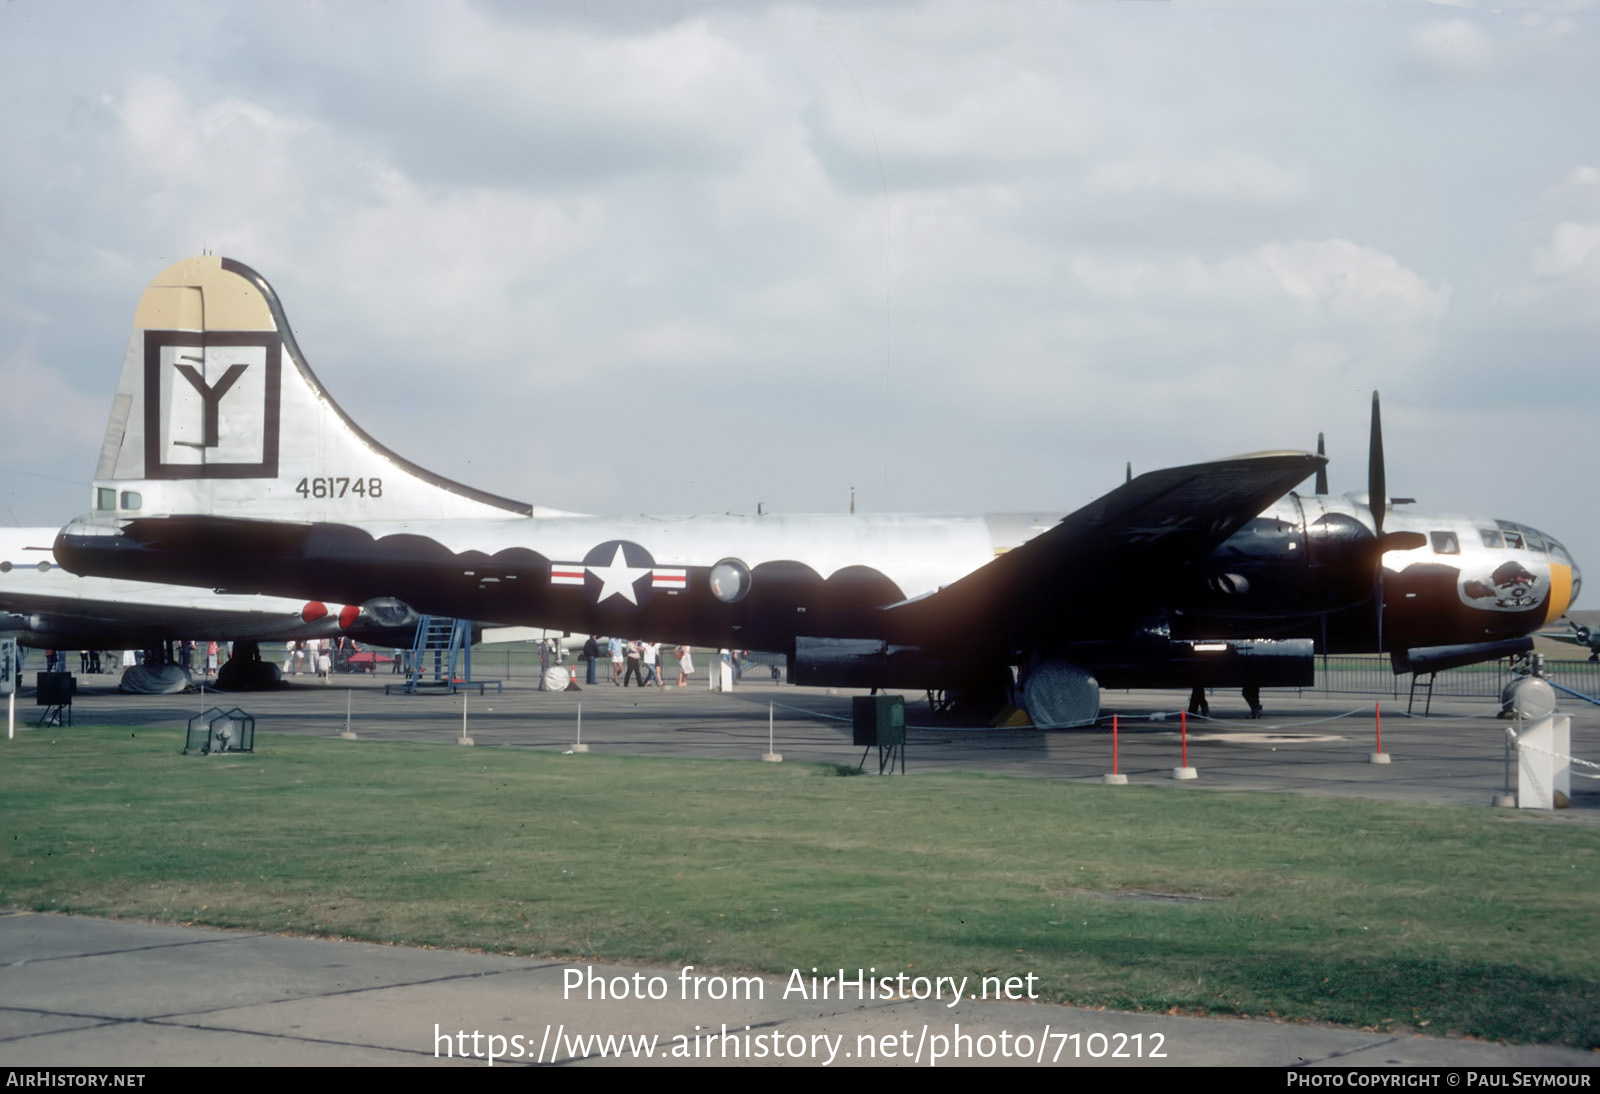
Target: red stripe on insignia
{"type": "Point", "coordinates": [670, 579]}
{"type": "Point", "coordinates": [566, 575]}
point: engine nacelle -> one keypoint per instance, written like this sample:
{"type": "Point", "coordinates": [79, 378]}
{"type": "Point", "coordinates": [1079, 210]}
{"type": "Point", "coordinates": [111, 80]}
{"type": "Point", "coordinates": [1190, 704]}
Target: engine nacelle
{"type": "Point", "coordinates": [872, 663]}
{"type": "Point", "coordinates": [1223, 663]}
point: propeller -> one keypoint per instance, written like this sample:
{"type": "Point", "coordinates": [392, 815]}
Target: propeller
{"type": "Point", "coordinates": [1378, 504]}
{"type": "Point", "coordinates": [1377, 500]}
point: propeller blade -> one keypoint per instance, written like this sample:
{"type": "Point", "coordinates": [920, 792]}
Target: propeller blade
{"type": "Point", "coordinates": [1377, 502]}
{"type": "Point", "coordinates": [1322, 472]}
{"type": "Point", "coordinates": [1377, 496]}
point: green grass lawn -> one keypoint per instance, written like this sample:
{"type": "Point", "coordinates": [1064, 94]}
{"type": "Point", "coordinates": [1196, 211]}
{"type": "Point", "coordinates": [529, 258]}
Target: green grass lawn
{"type": "Point", "coordinates": [1438, 918]}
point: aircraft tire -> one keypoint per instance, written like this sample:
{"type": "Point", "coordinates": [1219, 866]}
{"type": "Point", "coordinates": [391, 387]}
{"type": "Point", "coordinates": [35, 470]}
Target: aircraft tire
{"type": "Point", "coordinates": [1059, 694]}
{"type": "Point", "coordinates": [246, 674]}
{"type": "Point", "coordinates": [156, 680]}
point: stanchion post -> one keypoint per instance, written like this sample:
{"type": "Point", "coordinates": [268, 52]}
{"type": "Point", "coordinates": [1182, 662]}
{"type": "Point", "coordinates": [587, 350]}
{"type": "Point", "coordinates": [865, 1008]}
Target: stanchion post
{"type": "Point", "coordinates": [1184, 772]}
{"type": "Point", "coordinates": [578, 745]}
{"type": "Point", "coordinates": [1380, 756]}
{"type": "Point", "coordinates": [771, 755]}
{"type": "Point", "coordinates": [1115, 778]}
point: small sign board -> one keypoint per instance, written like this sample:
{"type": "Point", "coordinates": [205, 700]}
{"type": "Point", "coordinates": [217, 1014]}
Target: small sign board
{"type": "Point", "coordinates": [8, 666]}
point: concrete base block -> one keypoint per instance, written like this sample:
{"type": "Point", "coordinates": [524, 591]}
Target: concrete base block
{"type": "Point", "coordinates": [1505, 801]}
{"type": "Point", "coordinates": [1185, 773]}
{"type": "Point", "coordinates": [772, 757]}
{"type": "Point", "coordinates": [463, 740]}
{"type": "Point", "coordinates": [580, 748]}
{"type": "Point", "coordinates": [347, 735]}
{"type": "Point", "coordinates": [1114, 780]}
{"type": "Point", "coordinates": [1378, 758]}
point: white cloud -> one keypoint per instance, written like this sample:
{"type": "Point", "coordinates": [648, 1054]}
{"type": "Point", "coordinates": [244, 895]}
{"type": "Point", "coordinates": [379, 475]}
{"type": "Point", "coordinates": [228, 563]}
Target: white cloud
{"type": "Point", "coordinates": [1355, 282]}
{"type": "Point", "coordinates": [1570, 245]}
{"type": "Point", "coordinates": [1454, 45]}
{"type": "Point", "coordinates": [1221, 175]}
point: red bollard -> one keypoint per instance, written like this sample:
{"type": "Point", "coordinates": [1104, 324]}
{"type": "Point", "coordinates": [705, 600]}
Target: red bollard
{"type": "Point", "coordinates": [1184, 772]}
{"type": "Point", "coordinates": [1114, 779]}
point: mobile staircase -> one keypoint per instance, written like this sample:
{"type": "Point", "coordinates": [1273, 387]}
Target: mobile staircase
{"type": "Point", "coordinates": [440, 660]}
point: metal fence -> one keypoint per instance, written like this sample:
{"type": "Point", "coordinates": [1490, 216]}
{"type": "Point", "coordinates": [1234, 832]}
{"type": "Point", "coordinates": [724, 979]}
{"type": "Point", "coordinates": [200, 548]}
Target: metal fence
{"type": "Point", "coordinates": [1373, 676]}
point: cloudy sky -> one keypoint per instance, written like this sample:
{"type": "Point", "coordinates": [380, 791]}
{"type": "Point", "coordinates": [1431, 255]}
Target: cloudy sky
{"type": "Point", "coordinates": [669, 257]}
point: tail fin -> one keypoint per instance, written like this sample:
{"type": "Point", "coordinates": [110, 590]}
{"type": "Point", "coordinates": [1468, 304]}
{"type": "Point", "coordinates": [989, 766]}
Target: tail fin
{"type": "Point", "coordinates": [217, 413]}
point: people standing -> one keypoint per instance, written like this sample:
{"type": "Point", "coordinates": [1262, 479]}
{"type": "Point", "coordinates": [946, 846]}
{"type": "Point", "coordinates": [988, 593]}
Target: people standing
{"type": "Point", "coordinates": [685, 666]}
{"type": "Point", "coordinates": [652, 668]}
{"type": "Point", "coordinates": [591, 654]}
{"type": "Point", "coordinates": [635, 657]}
{"type": "Point", "coordinates": [616, 661]}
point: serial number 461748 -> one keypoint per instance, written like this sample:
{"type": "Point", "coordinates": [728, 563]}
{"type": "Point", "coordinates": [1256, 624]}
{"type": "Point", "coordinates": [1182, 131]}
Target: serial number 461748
{"type": "Point", "coordinates": [339, 487]}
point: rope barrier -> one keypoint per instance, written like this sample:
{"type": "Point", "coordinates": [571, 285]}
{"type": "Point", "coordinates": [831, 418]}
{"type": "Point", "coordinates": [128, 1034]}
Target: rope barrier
{"type": "Point", "coordinates": [1159, 716]}
{"type": "Point", "coordinates": [1105, 720]}
{"type": "Point", "coordinates": [1512, 734]}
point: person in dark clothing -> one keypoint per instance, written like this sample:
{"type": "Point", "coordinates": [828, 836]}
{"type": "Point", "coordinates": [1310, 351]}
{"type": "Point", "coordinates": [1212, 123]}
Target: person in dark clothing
{"type": "Point", "coordinates": [591, 654]}
{"type": "Point", "coordinates": [635, 658]}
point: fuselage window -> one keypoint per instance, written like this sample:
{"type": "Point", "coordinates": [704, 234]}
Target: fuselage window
{"type": "Point", "coordinates": [1491, 538]}
{"type": "Point", "coordinates": [131, 499]}
{"type": "Point", "coordinates": [1445, 543]}
{"type": "Point", "coordinates": [5, 567]}
{"type": "Point", "coordinates": [1514, 539]}
{"type": "Point", "coordinates": [44, 567]}
{"type": "Point", "coordinates": [105, 498]}
{"type": "Point", "coordinates": [1535, 540]}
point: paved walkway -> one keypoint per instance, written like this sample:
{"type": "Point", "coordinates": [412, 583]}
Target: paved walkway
{"type": "Point", "coordinates": [101, 993]}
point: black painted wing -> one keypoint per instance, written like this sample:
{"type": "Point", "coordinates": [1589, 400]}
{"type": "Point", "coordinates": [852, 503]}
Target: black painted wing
{"type": "Point", "coordinates": [1111, 561]}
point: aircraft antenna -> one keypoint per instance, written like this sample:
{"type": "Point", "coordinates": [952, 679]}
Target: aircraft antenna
{"type": "Point", "coordinates": [1322, 472]}
{"type": "Point", "coordinates": [852, 501]}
